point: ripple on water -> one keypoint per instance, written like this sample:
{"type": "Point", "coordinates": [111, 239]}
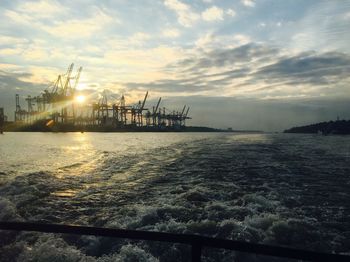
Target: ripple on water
{"type": "Point", "coordinates": [273, 189]}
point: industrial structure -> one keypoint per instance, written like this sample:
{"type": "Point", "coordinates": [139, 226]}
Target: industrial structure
{"type": "Point", "coordinates": [59, 106]}
{"type": "Point", "coordinates": [3, 119]}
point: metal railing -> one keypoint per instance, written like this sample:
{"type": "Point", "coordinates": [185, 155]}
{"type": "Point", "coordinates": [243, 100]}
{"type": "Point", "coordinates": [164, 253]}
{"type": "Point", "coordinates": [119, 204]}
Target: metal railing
{"type": "Point", "coordinates": [195, 241]}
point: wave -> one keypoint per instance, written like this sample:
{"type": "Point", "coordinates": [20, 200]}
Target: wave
{"type": "Point", "coordinates": [257, 188]}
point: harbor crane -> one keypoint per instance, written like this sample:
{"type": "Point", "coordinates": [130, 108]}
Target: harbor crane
{"type": "Point", "coordinates": [58, 105]}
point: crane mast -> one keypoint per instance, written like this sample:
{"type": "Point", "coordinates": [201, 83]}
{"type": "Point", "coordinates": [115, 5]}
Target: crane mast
{"type": "Point", "coordinates": [58, 106]}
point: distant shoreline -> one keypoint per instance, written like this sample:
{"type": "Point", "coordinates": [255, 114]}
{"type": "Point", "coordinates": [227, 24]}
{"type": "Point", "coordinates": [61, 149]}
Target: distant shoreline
{"type": "Point", "coordinates": [62, 128]}
{"type": "Point", "coordinates": [338, 127]}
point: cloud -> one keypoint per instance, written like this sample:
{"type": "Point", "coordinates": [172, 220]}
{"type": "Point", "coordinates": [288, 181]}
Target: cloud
{"type": "Point", "coordinates": [171, 33]}
{"type": "Point", "coordinates": [211, 41]}
{"type": "Point", "coordinates": [140, 65]}
{"type": "Point", "coordinates": [186, 17]}
{"type": "Point", "coordinates": [20, 18]}
{"type": "Point", "coordinates": [322, 27]}
{"type": "Point", "coordinates": [249, 3]}
{"type": "Point", "coordinates": [257, 71]}
{"type": "Point", "coordinates": [55, 19]}
{"type": "Point", "coordinates": [10, 40]}
{"type": "Point", "coordinates": [213, 13]}
{"type": "Point", "coordinates": [8, 67]}
{"type": "Point", "coordinates": [80, 28]}
{"type": "Point", "coordinates": [231, 12]}
{"type": "Point", "coordinates": [139, 38]}
{"type": "Point", "coordinates": [346, 16]}
{"type": "Point", "coordinates": [309, 68]}
{"type": "Point", "coordinates": [37, 13]}
{"type": "Point", "coordinates": [11, 81]}
{"type": "Point", "coordinates": [42, 9]}
{"type": "Point", "coordinates": [37, 54]}
{"type": "Point", "coordinates": [10, 51]}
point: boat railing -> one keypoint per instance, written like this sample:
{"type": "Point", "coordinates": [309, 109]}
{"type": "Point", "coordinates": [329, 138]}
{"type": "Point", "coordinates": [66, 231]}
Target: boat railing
{"type": "Point", "coordinates": [196, 242]}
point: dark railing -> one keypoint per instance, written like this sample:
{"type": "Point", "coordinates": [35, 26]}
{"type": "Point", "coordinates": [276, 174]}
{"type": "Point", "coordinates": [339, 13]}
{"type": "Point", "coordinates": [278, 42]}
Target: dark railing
{"type": "Point", "coordinates": [196, 242]}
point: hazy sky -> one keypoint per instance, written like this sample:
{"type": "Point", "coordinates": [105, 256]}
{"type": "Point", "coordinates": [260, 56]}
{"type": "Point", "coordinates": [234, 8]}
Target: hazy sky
{"type": "Point", "coordinates": [248, 64]}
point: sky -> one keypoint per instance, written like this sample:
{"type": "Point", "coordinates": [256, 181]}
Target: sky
{"type": "Point", "coordinates": [245, 64]}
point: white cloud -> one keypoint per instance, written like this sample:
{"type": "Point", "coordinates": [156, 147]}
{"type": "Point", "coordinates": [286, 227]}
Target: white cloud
{"type": "Point", "coordinates": [76, 28]}
{"type": "Point", "coordinates": [185, 15]}
{"type": "Point", "coordinates": [20, 18]}
{"type": "Point", "coordinates": [347, 16]}
{"type": "Point", "coordinates": [9, 67]}
{"type": "Point", "coordinates": [42, 9]}
{"type": "Point", "coordinates": [249, 3]}
{"type": "Point", "coordinates": [231, 12]}
{"type": "Point", "coordinates": [10, 51]}
{"type": "Point", "coordinates": [148, 58]}
{"type": "Point", "coordinates": [176, 5]}
{"type": "Point", "coordinates": [41, 74]}
{"type": "Point", "coordinates": [142, 64]}
{"type": "Point", "coordinates": [204, 40]}
{"type": "Point", "coordinates": [37, 54]}
{"type": "Point", "coordinates": [34, 15]}
{"type": "Point", "coordinates": [213, 13]}
{"type": "Point", "coordinates": [210, 41]}
{"type": "Point", "coordinates": [207, 1]}
{"type": "Point", "coordinates": [9, 40]}
{"type": "Point", "coordinates": [171, 33]}
{"type": "Point", "coordinates": [240, 39]}
{"type": "Point", "coordinates": [139, 38]}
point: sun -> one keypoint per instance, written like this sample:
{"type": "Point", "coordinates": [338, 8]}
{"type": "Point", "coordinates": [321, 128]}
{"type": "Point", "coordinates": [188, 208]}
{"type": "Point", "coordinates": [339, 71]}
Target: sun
{"type": "Point", "coordinates": [80, 99]}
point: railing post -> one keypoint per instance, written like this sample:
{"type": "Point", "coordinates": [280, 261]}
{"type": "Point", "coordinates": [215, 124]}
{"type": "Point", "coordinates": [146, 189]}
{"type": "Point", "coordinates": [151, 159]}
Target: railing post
{"type": "Point", "coordinates": [196, 252]}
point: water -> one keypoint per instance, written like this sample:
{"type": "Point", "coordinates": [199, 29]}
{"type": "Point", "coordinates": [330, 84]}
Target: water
{"type": "Point", "coordinates": [280, 189]}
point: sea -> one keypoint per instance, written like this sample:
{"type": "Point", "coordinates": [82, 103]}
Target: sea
{"type": "Point", "coordinates": [280, 189]}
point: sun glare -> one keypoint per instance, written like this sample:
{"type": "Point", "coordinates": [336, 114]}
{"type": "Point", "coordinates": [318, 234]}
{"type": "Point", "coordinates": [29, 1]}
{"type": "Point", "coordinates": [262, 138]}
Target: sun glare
{"type": "Point", "coordinates": [80, 99]}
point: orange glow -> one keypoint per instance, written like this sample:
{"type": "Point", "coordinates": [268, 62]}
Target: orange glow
{"type": "Point", "coordinates": [49, 123]}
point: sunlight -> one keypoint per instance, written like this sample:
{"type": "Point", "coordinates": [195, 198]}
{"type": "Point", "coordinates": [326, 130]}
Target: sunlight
{"type": "Point", "coordinates": [80, 99]}
{"type": "Point", "coordinates": [81, 85]}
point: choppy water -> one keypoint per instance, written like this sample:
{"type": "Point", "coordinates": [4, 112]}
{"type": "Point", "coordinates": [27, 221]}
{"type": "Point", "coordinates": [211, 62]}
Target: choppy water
{"type": "Point", "coordinates": [270, 188]}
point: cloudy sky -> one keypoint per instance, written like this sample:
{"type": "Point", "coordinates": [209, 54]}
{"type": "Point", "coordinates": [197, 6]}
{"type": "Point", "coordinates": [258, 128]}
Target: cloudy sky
{"type": "Point", "coordinates": [246, 64]}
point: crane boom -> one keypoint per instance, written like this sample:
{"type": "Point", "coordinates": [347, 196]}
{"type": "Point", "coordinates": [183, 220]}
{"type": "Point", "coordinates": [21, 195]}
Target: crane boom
{"type": "Point", "coordinates": [183, 110]}
{"type": "Point", "coordinates": [68, 74]}
{"type": "Point", "coordinates": [188, 109]}
{"type": "Point", "coordinates": [55, 86]}
{"type": "Point", "coordinates": [157, 105]}
{"type": "Point", "coordinates": [144, 101]}
{"type": "Point", "coordinates": [77, 77]}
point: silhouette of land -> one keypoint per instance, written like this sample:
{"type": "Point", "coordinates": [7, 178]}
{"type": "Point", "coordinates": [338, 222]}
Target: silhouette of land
{"type": "Point", "coordinates": [339, 127]}
{"type": "Point", "coordinates": [42, 126]}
